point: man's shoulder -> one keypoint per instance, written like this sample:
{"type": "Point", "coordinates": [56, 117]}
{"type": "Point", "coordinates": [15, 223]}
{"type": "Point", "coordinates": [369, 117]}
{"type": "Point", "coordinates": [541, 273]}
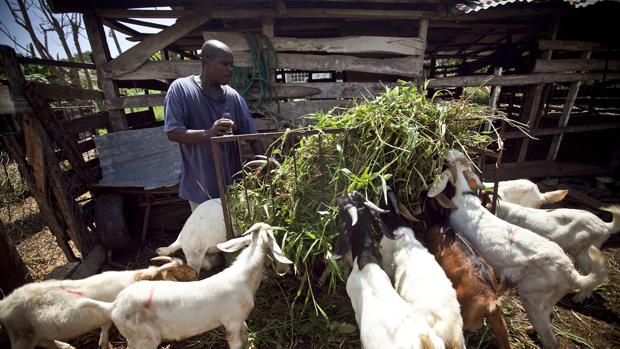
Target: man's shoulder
{"type": "Point", "coordinates": [231, 92]}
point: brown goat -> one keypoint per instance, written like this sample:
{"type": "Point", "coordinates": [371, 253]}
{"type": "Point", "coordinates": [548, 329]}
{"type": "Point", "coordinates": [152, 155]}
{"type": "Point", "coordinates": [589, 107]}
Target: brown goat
{"type": "Point", "coordinates": [477, 289]}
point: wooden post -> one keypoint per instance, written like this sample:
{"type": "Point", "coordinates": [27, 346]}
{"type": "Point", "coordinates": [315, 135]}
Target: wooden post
{"type": "Point", "coordinates": [12, 268]}
{"type": "Point", "coordinates": [533, 99]}
{"type": "Point", "coordinates": [422, 34]}
{"type": "Point", "coordinates": [36, 181]}
{"type": "Point", "coordinates": [568, 107]}
{"type": "Point", "coordinates": [101, 56]}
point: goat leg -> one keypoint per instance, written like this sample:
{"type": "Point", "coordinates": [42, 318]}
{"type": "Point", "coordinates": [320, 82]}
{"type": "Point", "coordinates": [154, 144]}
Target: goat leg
{"type": "Point", "coordinates": [499, 327]}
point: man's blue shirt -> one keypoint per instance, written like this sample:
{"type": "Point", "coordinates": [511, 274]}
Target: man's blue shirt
{"type": "Point", "coordinates": [188, 107]}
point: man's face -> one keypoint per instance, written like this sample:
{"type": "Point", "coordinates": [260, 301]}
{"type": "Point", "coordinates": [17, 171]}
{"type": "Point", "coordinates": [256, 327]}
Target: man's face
{"type": "Point", "coordinates": [219, 67]}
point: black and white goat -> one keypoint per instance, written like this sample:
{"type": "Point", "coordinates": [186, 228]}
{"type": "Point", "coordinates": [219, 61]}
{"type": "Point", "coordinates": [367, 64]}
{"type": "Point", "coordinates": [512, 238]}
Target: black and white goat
{"type": "Point", "coordinates": [418, 278]}
{"type": "Point", "coordinates": [541, 271]}
{"type": "Point", "coordinates": [385, 320]}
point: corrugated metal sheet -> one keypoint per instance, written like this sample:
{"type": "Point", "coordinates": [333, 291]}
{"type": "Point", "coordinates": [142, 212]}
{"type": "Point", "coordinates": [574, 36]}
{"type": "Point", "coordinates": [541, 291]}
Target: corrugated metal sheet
{"type": "Point", "coordinates": [479, 5]}
{"type": "Point", "coordinates": [139, 158]}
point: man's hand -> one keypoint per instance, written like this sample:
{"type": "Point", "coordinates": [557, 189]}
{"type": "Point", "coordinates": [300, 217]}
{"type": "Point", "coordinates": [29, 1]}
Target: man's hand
{"type": "Point", "coordinates": [221, 127]}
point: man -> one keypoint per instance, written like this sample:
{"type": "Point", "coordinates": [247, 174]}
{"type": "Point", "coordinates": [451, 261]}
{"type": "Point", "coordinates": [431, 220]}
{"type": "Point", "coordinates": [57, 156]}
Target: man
{"type": "Point", "coordinates": [198, 108]}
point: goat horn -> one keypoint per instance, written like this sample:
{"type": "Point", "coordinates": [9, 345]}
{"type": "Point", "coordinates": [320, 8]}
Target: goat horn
{"type": "Point", "coordinates": [255, 227]}
{"type": "Point", "coordinates": [374, 207]}
{"type": "Point", "coordinates": [353, 213]}
{"type": "Point", "coordinates": [256, 163]}
{"type": "Point", "coordinates": [162, 259]}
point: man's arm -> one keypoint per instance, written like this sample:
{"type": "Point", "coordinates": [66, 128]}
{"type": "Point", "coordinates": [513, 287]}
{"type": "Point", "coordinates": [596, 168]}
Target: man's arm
{"type": "Point", "coordinates": [185, 136]}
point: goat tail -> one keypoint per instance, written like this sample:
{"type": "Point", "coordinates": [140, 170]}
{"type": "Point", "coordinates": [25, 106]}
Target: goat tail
{"type": "Point", "coordinates": [614, 226]}
{"type": "Point", "coordinates": [552, 197]}
{"type": "Point", "coordinates": [104, 307]}
{"type": "Point", "coordinates": [167, 251]}
{"type": "Point", "coordinates": [598, 275]}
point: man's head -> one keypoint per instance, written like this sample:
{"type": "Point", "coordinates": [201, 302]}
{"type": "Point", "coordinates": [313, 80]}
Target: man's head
{"type": "Point", "coordinates": [217, 62]}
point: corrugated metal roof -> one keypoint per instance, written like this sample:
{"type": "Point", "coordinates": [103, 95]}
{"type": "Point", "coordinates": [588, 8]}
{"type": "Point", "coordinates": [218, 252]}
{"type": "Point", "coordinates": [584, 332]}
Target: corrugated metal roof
{"type": "Point", "coordinates": [139, 158]}
{"type": "Point", "coordinates": [478, 5]}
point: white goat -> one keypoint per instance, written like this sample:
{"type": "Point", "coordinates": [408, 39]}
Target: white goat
{"type": "Point", "coordinates": [574, 230]}
{"type": "Point", "coordinates": [148, 312]}
{"type": "Point", "coordinates": [385, 320]}
{"type": "Point", "coordinates": [203, 230]}
{"type": "Point", "coordinates": [541, 271]}
{"type": "Point", "coordinates": [43, 313]}
{"type": "Point", "coordinates": [525, 193]}
{"type": "Point", "coordinates": [419, 279]}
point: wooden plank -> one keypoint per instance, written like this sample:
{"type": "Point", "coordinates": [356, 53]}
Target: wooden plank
{"type": "Point", "coordinates": [544, 168]}
{"type": "Point", "coordinates": [517, 80]}
{"type": "Point", "coordinates": [566, 45]}
{"type": "Point", "coordinates": [48, 62]}
{"type": "Point", "coordinates": [566, 111]}
{"type": "Point", "coordinates": [577, 64]}
{"type": "Point", "coordinates": [406, 67]}
{"type": "Point", "coordinates": [34, 153]}
{"type": "Point", "coordinates": [290, 13]}
{"type": "Point", "coordinates": [567, 129]}
{"type": "Point", "coordinates": [411, 46]}
{"type": "Point", "coordinates": [137, 55]}
{"type": "Point", "coordinates": [101, 55]}
{"type": "Point", "coordinates": [313, 90]}
{"type": "Point", "coordinates": [86, 123]}
{"type": "Point", "coordinates": [293, 110]}
{"type": "Point", "coordinates": [9, 106]}
{"type": "Point", "coordinates": [91, 264]}
{"type": "Point", "coordinates": [65, 92]}
{"type": "Point", "coordinates": [530, 114]}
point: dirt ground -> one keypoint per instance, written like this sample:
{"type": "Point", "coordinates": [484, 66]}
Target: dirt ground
{"type": "Point", "coordinates": [593, 324]}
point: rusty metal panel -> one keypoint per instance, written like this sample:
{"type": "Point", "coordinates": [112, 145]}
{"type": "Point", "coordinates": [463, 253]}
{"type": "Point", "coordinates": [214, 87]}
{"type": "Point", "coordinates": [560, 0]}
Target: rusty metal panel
{"type": "Point", "coordinates": [142, 158]}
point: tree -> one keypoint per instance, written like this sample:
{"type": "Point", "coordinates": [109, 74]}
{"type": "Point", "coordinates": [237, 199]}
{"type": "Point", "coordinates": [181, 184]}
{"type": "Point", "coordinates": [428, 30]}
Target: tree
{"type": "Point", "coordinates": [64, 26]}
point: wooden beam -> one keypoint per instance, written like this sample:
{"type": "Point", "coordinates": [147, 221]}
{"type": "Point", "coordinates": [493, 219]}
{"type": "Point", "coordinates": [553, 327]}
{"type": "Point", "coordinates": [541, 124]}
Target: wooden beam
{"type": "Point", "coordinates": [516, 80]}
{"type": "Point", "coordinates": [47, 62]}
{"type": "Point", "coordinates": [406, 66]}
{"type": "Point", "coordinates": [565, 45]}
{"type": "Point", "coordinates": [313, 90]}
{"type": "Point", "coordinates": [544, 168]}
{"type": "Point", "coordinates": [137, 55]}
{"type": "Point", "coordinates": [86, 123]}
{"type": "Point", "coordinates": [349, 44]}
{"type": "Point", "coordinates": [66, 92]}
{"type": "Point", "coordinates": [567, 129]}
{"type": "Point", "coordinates": [289, 13]}
{"type": "Point", "coordinates": [568, 107]}
{"type": "Point", "coordinates": [101, 56]}
{"type": "Point", "coordinates": [580, 64]}
{"type": "Point", "coordinates": [9, 106]}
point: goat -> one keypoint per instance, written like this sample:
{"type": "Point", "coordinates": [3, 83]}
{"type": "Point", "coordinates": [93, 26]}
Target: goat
{"type": "Point", "coordinates": [576, 231]}
{"type": "Point", "coordinates": [43, 313]}
{"type": "Point", "coordinates": [385, 320]}
{"type": "Point", "coordinates": [525, 193]}
{"type": "Point", "coordinates": [541, 271]}
{"type": "Point", "coordinates": [203, 230]}
{"type": "Point", "coordinates": [418, 278]}
{"type": "Point", "coordinates": [148, 312]}
{"type": "Point", "coordinates": [477, 290]}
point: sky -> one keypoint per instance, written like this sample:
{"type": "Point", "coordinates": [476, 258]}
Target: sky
{"type": "Point", "coordinates": [55, 47]}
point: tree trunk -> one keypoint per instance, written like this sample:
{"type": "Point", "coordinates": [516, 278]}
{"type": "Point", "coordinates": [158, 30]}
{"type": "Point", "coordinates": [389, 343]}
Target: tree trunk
{"type": "Point", "coordinates": [75, 30]}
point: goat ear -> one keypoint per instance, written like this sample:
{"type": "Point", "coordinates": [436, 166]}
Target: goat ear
{"type": "Point", "coordinates": [276, 252]}
{"type": "Point", "coordinates": [406, 213]}
{"type": "Point", "coordinates": [343, 245]}
{"type": "Point", "coordinates": [472, 180]}
{"type": "Point", "coordinates": [235, 244]}
{"type": "Point", "coordinates": [440, 184]}
{"type": "Point", "coordinates": [445, 202]}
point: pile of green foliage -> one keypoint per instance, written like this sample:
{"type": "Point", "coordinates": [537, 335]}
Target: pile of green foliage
{"type": "Point", "coordinates": [397, 138]}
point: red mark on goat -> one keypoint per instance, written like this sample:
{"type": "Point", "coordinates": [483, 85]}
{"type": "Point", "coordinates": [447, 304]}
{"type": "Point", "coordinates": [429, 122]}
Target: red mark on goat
{"type": "Point", "coordinates": [393, 332]}
{"type": "Point", "coordinates": [77, 293]}
{"type": "Point", "coordinates": [512, 232]}
{"type": "Point", "coordinates": [149, 300]}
